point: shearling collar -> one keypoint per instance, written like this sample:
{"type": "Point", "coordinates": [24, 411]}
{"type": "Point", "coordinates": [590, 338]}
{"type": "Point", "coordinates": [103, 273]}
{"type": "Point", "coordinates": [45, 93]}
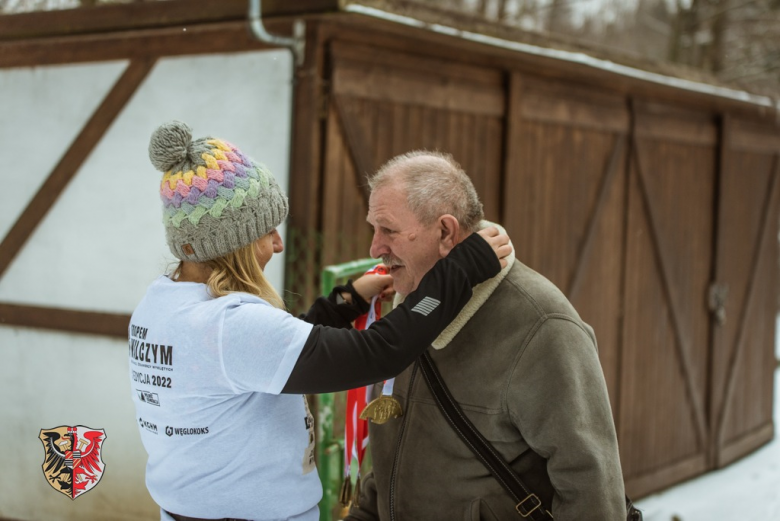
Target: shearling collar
{"type": "Point", "coordinates": [479, 295]}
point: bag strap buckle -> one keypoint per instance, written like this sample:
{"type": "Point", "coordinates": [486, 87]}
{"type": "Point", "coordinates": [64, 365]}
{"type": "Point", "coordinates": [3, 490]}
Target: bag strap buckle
{"type": "Point", "coordinates": [536, 503]}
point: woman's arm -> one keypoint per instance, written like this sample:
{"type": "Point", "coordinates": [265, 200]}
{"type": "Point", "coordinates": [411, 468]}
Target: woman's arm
{"type": "Point", "coordinates": [348, 302]}
{"type": "Point", "coordinates": [335, 310]}
{"type": "Point", "coordinates": [338, 359]}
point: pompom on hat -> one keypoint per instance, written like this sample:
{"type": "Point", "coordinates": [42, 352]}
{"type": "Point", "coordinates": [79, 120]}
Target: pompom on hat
{"type": "Point", "coordinates": [215, 199]}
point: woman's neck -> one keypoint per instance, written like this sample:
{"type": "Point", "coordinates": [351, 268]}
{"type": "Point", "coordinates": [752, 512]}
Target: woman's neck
{"type": "Point", "coordinates": [194, 272]}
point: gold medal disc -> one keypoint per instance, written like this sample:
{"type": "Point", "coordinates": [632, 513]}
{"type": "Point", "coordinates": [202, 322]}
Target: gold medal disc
{"type": "Point", "coordinates": [381, 410]}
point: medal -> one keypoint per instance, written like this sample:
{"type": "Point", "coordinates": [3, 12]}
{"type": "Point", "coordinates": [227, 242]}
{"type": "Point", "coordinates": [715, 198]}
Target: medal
{"type": "Point", "coordinates": [382, 409]}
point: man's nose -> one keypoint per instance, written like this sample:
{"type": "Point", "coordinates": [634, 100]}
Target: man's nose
{"type": "Point", "coordinates": [378, 248]}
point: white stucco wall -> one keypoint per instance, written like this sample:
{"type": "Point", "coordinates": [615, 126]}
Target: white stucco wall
{"type": "Point", "coordinates": [105, 231]}
{"type": "Point", "coordinates": [42, 109]}
{"type": "Point", "coordinates": [99, 247]}
{"type": "Point", "coordinates": [51, 379]}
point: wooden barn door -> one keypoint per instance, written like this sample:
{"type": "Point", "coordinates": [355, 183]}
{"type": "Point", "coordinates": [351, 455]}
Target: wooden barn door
{"type": "Point", "coordinates": [744, 297]}
{"type": "Point", "coordinates": [383, 104]}
{"type": "Point", "coordinates": [663, 427]}
{"type": "Point", "coordinates": [563, 203]}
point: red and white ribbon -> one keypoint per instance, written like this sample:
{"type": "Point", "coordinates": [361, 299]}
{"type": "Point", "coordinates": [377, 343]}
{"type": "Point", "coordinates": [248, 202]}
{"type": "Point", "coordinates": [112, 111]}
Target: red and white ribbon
{"type": "Point", "coordinates": [356, 430]}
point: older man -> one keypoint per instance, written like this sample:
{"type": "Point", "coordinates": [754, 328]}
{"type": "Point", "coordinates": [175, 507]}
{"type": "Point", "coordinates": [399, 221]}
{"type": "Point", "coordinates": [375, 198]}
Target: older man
{"type": "Point", "coordinates": [518, 359]}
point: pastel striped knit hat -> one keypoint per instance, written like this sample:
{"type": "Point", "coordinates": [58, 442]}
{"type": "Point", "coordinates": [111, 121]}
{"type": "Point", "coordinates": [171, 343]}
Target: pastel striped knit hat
{"type": "Point", "coordinates": [215, 199]}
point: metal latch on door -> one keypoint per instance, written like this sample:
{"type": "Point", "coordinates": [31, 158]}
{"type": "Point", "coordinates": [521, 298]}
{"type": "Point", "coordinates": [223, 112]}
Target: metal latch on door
{"type": "Point", "coordinates": [718, 294]}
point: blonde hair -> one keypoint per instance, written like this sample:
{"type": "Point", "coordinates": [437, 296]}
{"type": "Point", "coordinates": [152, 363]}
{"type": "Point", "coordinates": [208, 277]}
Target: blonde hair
{"type": "Point", "coordinates": [238, 271]}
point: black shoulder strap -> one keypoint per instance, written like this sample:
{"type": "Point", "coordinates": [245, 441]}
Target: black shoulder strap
{"type": "Point", "coordinates": [527, 504]}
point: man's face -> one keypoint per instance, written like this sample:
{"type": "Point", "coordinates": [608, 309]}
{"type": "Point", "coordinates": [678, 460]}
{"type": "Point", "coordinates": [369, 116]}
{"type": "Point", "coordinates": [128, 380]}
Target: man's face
{"type": "Point", "coordinates": [405, 245]}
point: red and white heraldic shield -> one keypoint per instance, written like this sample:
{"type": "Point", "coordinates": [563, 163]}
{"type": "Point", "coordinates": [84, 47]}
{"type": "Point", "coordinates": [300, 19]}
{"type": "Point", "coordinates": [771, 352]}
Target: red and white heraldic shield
{"type": "Point", "coordinates": [73, 461]}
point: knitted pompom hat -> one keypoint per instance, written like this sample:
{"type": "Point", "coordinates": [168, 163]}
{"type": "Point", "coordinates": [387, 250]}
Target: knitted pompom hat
{"type": "Point", "coordinates": [215, 199]}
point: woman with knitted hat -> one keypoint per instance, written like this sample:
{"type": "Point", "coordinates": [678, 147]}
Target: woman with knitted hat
{"type": "Point", "coordinates": [218, 367]}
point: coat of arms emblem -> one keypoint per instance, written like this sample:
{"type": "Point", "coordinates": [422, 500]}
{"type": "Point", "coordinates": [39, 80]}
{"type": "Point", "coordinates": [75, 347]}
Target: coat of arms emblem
{"type": "Point", "coordinates": [73, 463]}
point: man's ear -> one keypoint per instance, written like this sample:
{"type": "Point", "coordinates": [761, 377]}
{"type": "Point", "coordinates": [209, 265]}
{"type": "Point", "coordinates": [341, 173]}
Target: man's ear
{"type": "Point", "coordinates": [449, 234]}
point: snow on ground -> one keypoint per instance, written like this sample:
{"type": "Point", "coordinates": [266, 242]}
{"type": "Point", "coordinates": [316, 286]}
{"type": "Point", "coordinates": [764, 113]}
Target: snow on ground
{"type": "Point", "coordinates": [746, 489]}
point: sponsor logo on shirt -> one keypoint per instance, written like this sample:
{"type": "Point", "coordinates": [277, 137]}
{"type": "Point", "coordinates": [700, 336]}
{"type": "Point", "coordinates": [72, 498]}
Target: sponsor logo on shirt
{"type": "Point", "coordinates": [148, 354]}
{"type": "Point", "coordinates": [186, 431]}
{"type": "Point", "coordinates": [73, 461]}
{"type": "Point", "coordinates": [149, 426]}
{"type": "Point", "coordinates": [147, 397]}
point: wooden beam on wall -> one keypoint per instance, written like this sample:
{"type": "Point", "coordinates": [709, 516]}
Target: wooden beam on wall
{"type": "Point", "coordinates": [661, 122]}
{"type": "Point", "coordinates": [70, 320]}
{"type": "Point", "coordinates": [145, 15]}
{"type": "Point", "coordinates": [749, 136]}
{"type": "Point", "coordinates": [584, 254]}
{"type": "Point", "coordinates": [352, 29]}
{"type": "Point", "coordinates": [573, 105]}
{"type": "Point", "coordinates": [375, 73]}
{"type": "Point", "coordinates": [72, 160]}
{"type": "Point", "coordinates": [305, 192]}
{"type": "Point", "coordinates": [224, 37]}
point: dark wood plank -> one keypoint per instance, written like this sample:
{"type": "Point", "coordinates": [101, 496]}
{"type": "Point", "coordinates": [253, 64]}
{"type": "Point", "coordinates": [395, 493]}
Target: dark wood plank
{"type": "Point", "coordinates": [387, 35]}
{"type": "Point", "coordinates": [399, 129]}
{"type": "Point", "coordinates": [72, 160]}
{"type": "Point", "coordinates": [694, 128]}
{"type": "Point", "coordinates": [359, 150]}
{"type": "Point", "coordinates": [331, 196]}
{"type": "Point", "coordinates": [747, 175]}
{"type": "Point", "coordinates": [583, 258]}
{"type": "Point", "coordinates": [745, 444]}
{"type": "Point", "coordinates": [134, 16]}
{"type": "Point", "coordinates": [574, 105]}
{"type": "Point", "coordinates": [494, 157]}
{"type": "Point", "coordinates": [640, 486]}
{"type": "Point", "coordinates": [375, 73]}
{"type": "Point", "coordinates": [718, 330]}
{"type": "Point", "coordinates": [383, 137]}
{"type": "Point", "coordinates": [70, 320]}
{"type": "Point", "coordinates": [618, 371]}
{"type": "Point", "coordinates": [305, 194]}
{"type": "Point", "coordinates": [634, 409]}
{"type": "Point", "coordinates": [739, 346]}
{"type": "Point", "coordinates": [682, 339]}
{"type": "Point", "coordinates": [752, 136]}
{"type": "Point", "coordinates": [399, 86]}
{"type": "Point", "coordinates": [474, 162]}
{"type": "Point", "coordinates": [515, 161]}
{"type": "Point", "coordinates": [366, 55]}
{"type": "Point", "coordinates": [552, 175]}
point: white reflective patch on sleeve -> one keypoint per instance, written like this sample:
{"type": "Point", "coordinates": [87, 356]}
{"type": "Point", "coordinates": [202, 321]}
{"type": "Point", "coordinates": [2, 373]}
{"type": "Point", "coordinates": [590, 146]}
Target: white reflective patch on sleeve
{"type": "Point", "coordinates": [426, 305]}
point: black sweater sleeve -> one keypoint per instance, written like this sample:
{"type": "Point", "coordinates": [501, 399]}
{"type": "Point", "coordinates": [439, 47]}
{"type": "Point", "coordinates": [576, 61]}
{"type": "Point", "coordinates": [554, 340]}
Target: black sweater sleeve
{"type": "Point", "coordinates": [338, 359]}
{"type": "Point", "coordinates": [329, 312]}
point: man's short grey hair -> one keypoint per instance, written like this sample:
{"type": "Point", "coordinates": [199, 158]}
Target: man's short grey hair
{"type": "Point", "coordinates": [435, 185]}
